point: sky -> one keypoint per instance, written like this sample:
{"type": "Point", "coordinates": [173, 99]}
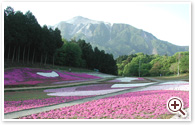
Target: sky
{"type": "Point", "coordinates": [168, 21]}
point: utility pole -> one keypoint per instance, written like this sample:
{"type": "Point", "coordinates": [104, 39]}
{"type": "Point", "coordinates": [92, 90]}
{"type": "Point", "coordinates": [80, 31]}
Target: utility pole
{"type": "Point", "coordinates": [178, 64]}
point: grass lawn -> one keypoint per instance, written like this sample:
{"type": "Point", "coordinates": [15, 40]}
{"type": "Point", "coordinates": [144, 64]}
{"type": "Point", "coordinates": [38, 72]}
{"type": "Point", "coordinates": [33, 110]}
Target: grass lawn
{"type": "Point", "coordinates": [174, 77]}
{"type": "Point", "coordinates": [25, 95]}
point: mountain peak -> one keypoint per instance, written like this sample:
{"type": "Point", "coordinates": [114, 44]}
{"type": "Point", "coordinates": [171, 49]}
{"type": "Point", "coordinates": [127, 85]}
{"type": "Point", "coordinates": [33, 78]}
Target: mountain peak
{"type": "Point", "coordinates": [81, 20]}
{"type": "Point", "coordinates": [118, 39]}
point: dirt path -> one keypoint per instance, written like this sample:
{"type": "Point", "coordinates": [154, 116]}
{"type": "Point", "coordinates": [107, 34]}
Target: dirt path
{"type": "Point", "coordinates": [18, 114]}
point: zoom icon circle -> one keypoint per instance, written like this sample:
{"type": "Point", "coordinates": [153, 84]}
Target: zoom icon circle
{"type": "Point", "coordinates": [175, 104]}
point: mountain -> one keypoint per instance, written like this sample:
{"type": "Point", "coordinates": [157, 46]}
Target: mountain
{"type": "Point", "coordinates": [118, 39]}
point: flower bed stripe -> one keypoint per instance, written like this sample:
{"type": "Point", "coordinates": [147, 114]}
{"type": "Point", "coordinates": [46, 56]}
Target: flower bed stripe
{"type": "Point", "coordinates": [64, 82]}
{"type": "Point", "coordinates": [49, 74]}
{"type": "Point", "coordinates": [11, 106]}
{"type": "Point", "coordinates": [133, 105]}
{"type": "Point", "coordinates": [85, 93]}
{"type": "Point", "coordinates": [30, 77]}
{"type": "Point", "coordinates": [126, 79]}
{"type": "Point", "coordinates": [175, 82]}
{"type": "Point", "coordinates": [94, 87]}
{"type": "Point", "coordinates": [167, 87]}
{"type": "Point", "coordinates": [101, 75]}
{"type": "Point", "coordinates": [129, 85]}
{"type": "Point", "coordinates": [67, 89]}
{"type": "Point", "coordinates": [83, 75]}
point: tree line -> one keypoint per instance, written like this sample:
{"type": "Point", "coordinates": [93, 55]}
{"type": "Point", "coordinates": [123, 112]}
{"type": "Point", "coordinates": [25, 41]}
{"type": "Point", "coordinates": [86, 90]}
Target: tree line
{"type": "Point", "coordinates": [27, 42]}
{"type": "Point", "coordinates": [81, 54]}
{"type": "Point", "coordinates": [153, 65]}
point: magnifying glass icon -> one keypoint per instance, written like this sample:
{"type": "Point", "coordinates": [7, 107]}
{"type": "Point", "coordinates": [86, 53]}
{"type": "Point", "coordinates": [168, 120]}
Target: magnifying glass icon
{"type": "Point", "coordinates": [175, 104]}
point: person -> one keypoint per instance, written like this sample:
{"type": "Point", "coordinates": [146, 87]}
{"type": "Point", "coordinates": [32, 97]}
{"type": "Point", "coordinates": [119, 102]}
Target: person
{"type": "Point", "coordinates": [69, 70]}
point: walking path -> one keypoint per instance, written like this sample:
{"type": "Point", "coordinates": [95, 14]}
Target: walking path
{"type": "Point", "coordinates": [18, 114]}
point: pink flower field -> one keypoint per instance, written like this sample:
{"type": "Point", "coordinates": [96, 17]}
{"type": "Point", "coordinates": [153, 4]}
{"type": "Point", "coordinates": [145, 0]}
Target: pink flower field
{"type": "Point", "coordinates": [132, 105]}
{"type": "Point", "coordinates": [147, 102]}
{"type": "Point", "coordinates": [11, 106]}
{"type": "Point", "coordinates": [30, 76]}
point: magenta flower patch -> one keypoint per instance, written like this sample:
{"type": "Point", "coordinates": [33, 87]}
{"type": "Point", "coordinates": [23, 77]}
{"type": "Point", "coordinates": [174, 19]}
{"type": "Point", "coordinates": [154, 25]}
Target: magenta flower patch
{"type": "Point", "coordinates": [140, 78]}
{"type": "Point", "coordinates": [15, 76]}
{"type": "Point", "coordinates": [11, 106]}
{"type": "Point", "coordinates": [34, 76]}
{"type": "Point", "coordinates": [132, 105]}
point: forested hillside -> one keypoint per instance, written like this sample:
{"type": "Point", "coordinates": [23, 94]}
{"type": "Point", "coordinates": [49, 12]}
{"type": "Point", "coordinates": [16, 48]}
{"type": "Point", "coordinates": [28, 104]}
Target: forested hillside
{"type": "Point", "coordinates": [25, 41]}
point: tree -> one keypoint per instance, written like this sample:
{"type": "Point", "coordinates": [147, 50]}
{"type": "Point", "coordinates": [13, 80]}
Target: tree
{"type": "Point", "coordinates": [120, 59]}
{"type": "Point", "coordinates": [131, 69]}
{"type": "Point", "coordinates": [156, 69]}
{"type": "Point", "coordinates": [184, 63]}
{"type": "Point", "coordinates": [69, 54]}
{"type": "Point", "coordinates": [87, 54]}
{"type": "Point", "coordinates": [26, 40]}
{"type": "Point", "coordinates": [145, 68]}
{"type": "Point", "coordinates": [173, 68]}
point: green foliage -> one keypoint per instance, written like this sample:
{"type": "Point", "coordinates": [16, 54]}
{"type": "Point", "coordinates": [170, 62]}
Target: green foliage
{"type": "Point", "coordinates": [69, 55]}
{"type": "Point", "coordinates": [131, 69]}
{"type": "Point", "coordinates": [26, 40]}
{"type": "Point", "coordinates": [87, 54]}
{"type": "Point", "coordinates": [120, 59]}
{"type": "Point", "coordinates": [152, 65]}
{"type": "Point", "coordinates": [156, 69]}
{"type": "Point", "coordinates": [184, 63]}
{"type": "Point", "coordinates": [145, 69]}
{"type": "Point", "coordinates": [173, 68]}
{"type": "Point", "coordinates": [80, 54]}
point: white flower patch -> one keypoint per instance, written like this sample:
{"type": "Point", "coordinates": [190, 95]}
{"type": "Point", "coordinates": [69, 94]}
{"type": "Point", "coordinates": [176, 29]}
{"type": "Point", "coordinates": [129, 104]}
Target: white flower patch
{"type": "Point", "coordinates": [175, 82]}
{"type": "Point", "coordinates": [85, 93]}
{"type": "Point", "coordinates": [180, 87]}
{"type": "Point", "coordinates": [167, 87]}
{"type": "Point", "coordinates": [48, 74]}
{"type": "Point", "coordinates": [126, 79]}
{"type": "Point", "coordinates": [129, 85]}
